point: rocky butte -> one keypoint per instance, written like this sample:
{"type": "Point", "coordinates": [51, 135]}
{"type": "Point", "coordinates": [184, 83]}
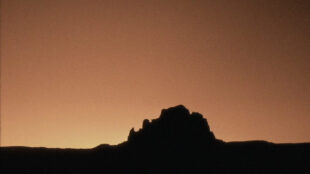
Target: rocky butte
{"type": "Point", "coordinates": [174, 125]}
{"type": "Point", "coordinates": [176, 142]}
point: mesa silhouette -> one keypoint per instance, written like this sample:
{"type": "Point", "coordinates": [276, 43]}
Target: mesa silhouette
{"type": "Point", "coordinates": [177, 142]}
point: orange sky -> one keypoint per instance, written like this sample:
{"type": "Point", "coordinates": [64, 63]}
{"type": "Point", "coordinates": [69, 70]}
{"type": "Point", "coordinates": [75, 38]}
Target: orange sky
{"type": "Point", "coordinates": [77, 73]}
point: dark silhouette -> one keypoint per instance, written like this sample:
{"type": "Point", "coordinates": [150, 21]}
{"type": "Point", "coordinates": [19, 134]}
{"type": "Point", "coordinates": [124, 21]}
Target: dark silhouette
{"type": "Point", "coordinates": [176, 142]}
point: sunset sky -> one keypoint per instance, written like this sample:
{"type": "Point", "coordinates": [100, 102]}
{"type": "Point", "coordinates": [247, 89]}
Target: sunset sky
{"type": "Point", "coordinates": [78, 73]}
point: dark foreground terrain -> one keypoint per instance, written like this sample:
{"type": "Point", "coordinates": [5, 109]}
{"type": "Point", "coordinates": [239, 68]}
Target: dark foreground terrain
{"type": "Point", "coordinates": [176, 142]}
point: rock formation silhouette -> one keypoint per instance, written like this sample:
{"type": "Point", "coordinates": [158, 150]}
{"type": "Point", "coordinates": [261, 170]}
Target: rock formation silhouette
{"type": "Point", "coordinates": [174, 124]}
{"type": "Point", "coordinates": [177, 142]}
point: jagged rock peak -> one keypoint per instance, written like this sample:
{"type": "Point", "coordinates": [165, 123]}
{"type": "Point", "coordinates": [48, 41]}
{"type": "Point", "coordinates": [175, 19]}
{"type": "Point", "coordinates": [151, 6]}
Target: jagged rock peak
{"type": "Point", "coordinates": [174, 123]}
{"type": "Point", "coordinates": [178, 110]}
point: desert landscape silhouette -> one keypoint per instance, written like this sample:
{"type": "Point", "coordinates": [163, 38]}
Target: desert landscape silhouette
{"type": "Point", "coordinates": [176, 142]}
{"type": "Point", "coordinates": [83, 82]}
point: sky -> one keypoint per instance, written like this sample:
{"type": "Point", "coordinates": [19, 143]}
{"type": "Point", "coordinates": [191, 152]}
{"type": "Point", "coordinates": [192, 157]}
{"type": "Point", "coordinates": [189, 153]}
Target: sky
{"type": "Point", "coordinates": [79, 73]}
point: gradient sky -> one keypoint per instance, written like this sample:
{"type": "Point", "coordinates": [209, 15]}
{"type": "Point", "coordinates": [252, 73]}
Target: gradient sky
{"type": "Point", "coordinates": [78, 73]}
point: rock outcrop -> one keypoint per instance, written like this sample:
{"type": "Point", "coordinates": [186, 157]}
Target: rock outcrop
{"type": "Point", "coordinates": [174, 124]}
